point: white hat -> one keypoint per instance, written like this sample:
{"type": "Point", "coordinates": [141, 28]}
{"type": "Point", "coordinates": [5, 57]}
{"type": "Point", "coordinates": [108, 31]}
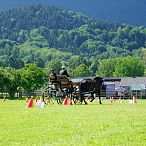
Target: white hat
{"type": "Point", "coordinates": [63, 66]}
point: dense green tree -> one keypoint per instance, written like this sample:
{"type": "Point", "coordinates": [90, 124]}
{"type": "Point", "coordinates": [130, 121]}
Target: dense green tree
{"type": "Point", "coordinates": [56, 65]}
{"type": "Point", "coordinates": [11, 81]}
{"type": "Point", "coordinates": [121, 67]}
{"type": "Point", "coordinates": [129, 67]}
{"type": "Point", "coordinates": [94, 66]}
{"type": "Point", "coordinates": [106, 67]}
{"type": "Point", "coordinates": [74, 61]}
{"type": "Point", "coordinates": [33, 77]}
{"type": "Point", "coordinates": [3, 79]}
{"type": "Point", "coordinates": [23, 36]}
{"type": "Point", "coordinates": [82, 71]}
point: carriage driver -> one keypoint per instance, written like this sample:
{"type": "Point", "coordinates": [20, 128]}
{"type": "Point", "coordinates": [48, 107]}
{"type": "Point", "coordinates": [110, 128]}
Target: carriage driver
{"type": "Point", "coordinates": [53, 75]}
{"type": "Point", "coordinates": [64, 71]}
{"type": "Point", "coordinates": [53, 78]}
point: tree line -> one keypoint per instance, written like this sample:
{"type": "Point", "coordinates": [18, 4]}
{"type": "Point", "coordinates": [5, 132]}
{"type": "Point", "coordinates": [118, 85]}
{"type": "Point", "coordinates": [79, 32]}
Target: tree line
{"type": "Point", "coordinates": [31, 77]}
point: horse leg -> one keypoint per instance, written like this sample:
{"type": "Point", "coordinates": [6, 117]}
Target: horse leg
{"type": "Point", "coordinates": [85, 101]}
{"type": "Point", "coordinates": [92, 95]}
{"type": "Point", "coordinates": [81, 98]}
{"type": "Point", "coordinates": [99, 97]}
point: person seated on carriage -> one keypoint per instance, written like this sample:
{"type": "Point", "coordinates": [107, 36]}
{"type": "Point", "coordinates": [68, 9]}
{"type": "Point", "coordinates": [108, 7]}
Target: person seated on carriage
{"type": "Point", "coordinates": [64, 71]}
{"type": "Point", "coordinates": [52, 75]}
{"type": "Point", "coordinates": [53, 79]}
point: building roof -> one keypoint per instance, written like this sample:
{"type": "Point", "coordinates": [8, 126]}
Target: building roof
{"type": "Point", "coordinates": [123, 81]}
{"type": "Point", "coordinates": [111, 79]}
{"type": "Point", "coordinates": [129, 81]}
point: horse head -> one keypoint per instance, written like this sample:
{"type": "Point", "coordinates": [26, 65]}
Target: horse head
{"type": "Point", "coordinates": [98, 81]}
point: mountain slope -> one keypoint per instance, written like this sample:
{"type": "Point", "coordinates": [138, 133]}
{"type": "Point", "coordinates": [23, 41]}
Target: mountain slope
{"type": "Point", "coordinates": [42, 33]}
{"type": "Point", "coordinates": [35, 16]}
{"type": "Point", "coordinates": [125, 11]}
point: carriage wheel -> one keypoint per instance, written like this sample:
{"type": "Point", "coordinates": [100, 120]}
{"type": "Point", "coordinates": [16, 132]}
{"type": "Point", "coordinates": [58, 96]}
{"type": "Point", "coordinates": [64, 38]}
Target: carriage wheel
{"type": "Point", "coordinates": [48, 93]}
{"type": "Point", "coordinates": [60, 100]}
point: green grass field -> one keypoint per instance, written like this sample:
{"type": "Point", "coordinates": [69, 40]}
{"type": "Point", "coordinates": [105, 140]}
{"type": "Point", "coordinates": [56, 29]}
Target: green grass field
{"type": "Point", "coordinates": [76, 125]}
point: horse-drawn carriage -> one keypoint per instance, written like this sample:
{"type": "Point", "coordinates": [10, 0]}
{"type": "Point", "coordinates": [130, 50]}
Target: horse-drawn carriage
{"type": "Point", "coordinates": [58, 88]}
{"type": "Point", "coordinates": [62, 87]}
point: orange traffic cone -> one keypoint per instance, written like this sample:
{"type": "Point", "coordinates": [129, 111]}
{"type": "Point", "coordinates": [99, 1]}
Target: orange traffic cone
{"type": "Point", "coordinates": [30, 103]}
{"type": "Point", "coordinates": [27, 100]}
{"type": "Point", "coordinates": [65, 102]}
{"type": "Point", "coordinates": [111, 99]}
{"type": "Point", "coordinates": [70, 102]}
{"type": "Point", "coordinates": [36, 99]}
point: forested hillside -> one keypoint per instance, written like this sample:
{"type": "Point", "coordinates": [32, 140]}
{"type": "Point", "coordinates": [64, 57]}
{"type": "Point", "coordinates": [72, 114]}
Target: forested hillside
{"type": "Point", "coordinates": [43, 33]}
{"type": "Point", "coordinates": [121, 11]}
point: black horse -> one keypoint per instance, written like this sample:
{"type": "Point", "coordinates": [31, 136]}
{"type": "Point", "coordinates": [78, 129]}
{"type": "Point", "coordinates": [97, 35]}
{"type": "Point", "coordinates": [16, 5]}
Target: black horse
{"type": "Point", "coordinates": [92, 86]}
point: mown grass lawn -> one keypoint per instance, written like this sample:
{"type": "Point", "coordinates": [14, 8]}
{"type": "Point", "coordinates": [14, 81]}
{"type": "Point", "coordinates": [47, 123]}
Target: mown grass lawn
{"type": "Point", "coordinates": [76, 125]}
